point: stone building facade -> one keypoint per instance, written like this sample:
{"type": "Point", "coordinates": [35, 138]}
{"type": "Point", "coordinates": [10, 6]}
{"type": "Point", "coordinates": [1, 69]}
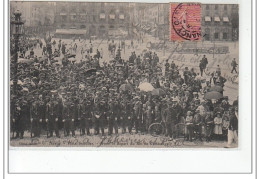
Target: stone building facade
{"type": "Point", "coordinates": [98, 18]}
{"type": "Point", "coordinates": [219, 22]}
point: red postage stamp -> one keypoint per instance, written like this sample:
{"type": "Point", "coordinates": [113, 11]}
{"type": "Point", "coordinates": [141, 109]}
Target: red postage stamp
{"type": "Point", "coordinates": [185, 21]}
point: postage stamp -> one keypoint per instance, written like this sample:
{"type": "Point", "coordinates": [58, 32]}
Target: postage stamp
{"type": "Point", "coordinates": [185, 21]}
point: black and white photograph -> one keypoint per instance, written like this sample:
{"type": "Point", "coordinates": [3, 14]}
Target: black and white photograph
{"type": "Point", "coordinates": [123, 74]}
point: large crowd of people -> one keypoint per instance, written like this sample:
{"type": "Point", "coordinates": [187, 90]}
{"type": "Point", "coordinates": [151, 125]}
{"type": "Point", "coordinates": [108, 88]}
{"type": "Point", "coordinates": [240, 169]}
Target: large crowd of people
{"type": "Point", "coordinates": [126, 94]}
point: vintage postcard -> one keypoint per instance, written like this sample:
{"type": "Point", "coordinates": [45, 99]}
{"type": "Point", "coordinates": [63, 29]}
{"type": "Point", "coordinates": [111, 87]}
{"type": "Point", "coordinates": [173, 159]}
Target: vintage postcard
{"type": "Point", "coordinates": [130, 74]}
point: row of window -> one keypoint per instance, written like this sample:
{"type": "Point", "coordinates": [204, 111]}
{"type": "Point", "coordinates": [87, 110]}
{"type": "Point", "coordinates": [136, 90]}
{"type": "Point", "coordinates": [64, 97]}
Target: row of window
{"type": "Point", "coordinates": [216, 7]}
{"type": "Point", "coordinates": [216, 19]}
{"type": "Point", "coordinates": [84, 16]}
{"type": "Point", "coordinates": [217, 36]}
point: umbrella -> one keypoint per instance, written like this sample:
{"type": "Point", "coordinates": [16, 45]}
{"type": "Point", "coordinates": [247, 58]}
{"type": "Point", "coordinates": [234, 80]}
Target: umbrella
{"type": "Point", "coordinates": [19, 82]}
{"type": "Point", "coordinates": [24, 60]}
{"type": "Point", "coordinates": [213, 95]}
{"type": "Point", "coordinates": [216, 88]}
{"type": "Point", "coordinates": [81, 86]}
{"type": "Point", "coordinates": [25, 89]}
{"type": "Point", "coordinates": [91, 70]}
{"type": "Point", "coordinates": [57, 58]}
{"type": "Point", "coordinates": [158, 92]}
{"type": "Point", "coordinates": [126, 87]}
{"type": "Point", "coordinates": [72, 59]}
{"type": "Point", "coordinates": [146, 87]}
{"type": "Point", "coordinates": [71, 56]}
{"type": "Point", "coordinates": [119, 65]}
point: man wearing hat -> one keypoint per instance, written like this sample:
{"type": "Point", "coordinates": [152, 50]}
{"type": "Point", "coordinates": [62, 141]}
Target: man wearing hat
{"type": "Point", "coordinates": [65, 117]}
{"type": "Point", "coordinates": [82, 116]}
{"type": "Point", "coordinates": [42, 110]}
{"type": "Point", "coordinates": [52, 117]}
{"type": "Point", "coordinates": [88, 113]}
{"type": "Point", "coordinates": [171, 118]}
{"type": "Point", "coordinates": [167, 67]}
{"type": "Point", "coordinates": [197, 128]}
{"type": "Point", "coordinates": [34, 118]}
{"type": "Point", "coordinates": [99, 117]}
{"type": "Point", "coordinates": [232, 129]}
{"type": "Point", "coordinates": [234, 65]}
{"type": "Point", "coordinates": [21, 116]}
{"type": "Point", "coordinates": [137, 113]}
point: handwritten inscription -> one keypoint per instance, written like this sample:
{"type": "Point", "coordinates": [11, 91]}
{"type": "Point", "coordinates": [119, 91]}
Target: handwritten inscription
{"type": "Point", "coordinates": [106, 141]}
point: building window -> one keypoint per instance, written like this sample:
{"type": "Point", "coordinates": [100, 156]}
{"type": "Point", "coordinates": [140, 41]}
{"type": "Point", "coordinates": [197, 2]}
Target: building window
{"type": "Point", "coordinates": [112, 16]}
{"type": "Point", "coordinates": [63, 18]}
{"type": "Point", "coordinates": [207, 34]}
{"type": "Point", "coordinates": [82, 26]}
{"type": "Point", "coordinates": [225, 36]}
{"type": "Point", "coordinates": [102, 15]}
{"type": "Point", "coordinates": [207, 7]}
{"type": "Point", "coordinates": [216, 7]}
{"type": "Point", "coordinates": [216, 35]}
{"type": "Point", "coordinates": [225, 7]}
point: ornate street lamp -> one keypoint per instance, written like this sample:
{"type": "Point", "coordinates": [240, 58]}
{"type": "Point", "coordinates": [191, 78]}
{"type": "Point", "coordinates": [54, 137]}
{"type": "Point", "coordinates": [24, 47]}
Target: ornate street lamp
{"type": "Point", "coordinates": [16, 31]}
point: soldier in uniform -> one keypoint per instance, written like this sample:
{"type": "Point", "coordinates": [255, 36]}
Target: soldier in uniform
{"type": "Point", "coordinates": [88, 113]}
{"type": "Point", "coordinates": [129, 116]}
{"type": "Point", "coordinates": [42, 111]}
{"type": "Point", "coordinates": [116, 115]}
{"type": "Point", "coordinates": [52, 120]}
{"type": "Point", "coordinates": [110, 116]}
{"type": "Point", "coordinates": [149, 116]}
{"type": "Point", "coordinates": [21, 116]}
{"type": "Point", "coordinates": [122, 115]}
{"type": "Point", "coordinates": [65, 117]}
{"type": "Point", "coordinates": [72, 117]}
{"type": "Point", "coordinates": [82, 116]}
{"type": "Point", "coordinates": [34, 117]}
{"type": "Point", "coordinates": [99, 118]}
{"type": "Point", "coordinates": [137, 113]}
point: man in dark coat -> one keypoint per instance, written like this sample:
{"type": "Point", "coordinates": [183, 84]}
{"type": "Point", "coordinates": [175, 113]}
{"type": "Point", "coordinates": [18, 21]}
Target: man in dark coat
{"type": "Point", "coordinates": [34, 117]}
{"type": "Point", "coordinates": [82, 116]}
{"type": "Point", "coordinates": [65, 118]}
{"type": "Point", "coordinates": [99, 117]}
{"type": "Point", "coordinates": [171, 118]}
{"type": "Point", "coordinates": [21, 116]}
{"type": "Point", "coordinates": [203, 64]}
{"type": "Point", "coordinates": [88, 113]}
{"type": "Point", "coordinates": [137, 114]}
{"type": "Point", "coordinates": [129, 116]}
{"type": "Point", "coordinates": [42, 110]}
{"type": "Point", "coordinates": [233, 128]}
{"type": "Point", "coordinates": [234, 65]}
{"type": "Point", "coordinates": [197, 128]}
{"type": "Point", "coordinates": [52, 121]}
